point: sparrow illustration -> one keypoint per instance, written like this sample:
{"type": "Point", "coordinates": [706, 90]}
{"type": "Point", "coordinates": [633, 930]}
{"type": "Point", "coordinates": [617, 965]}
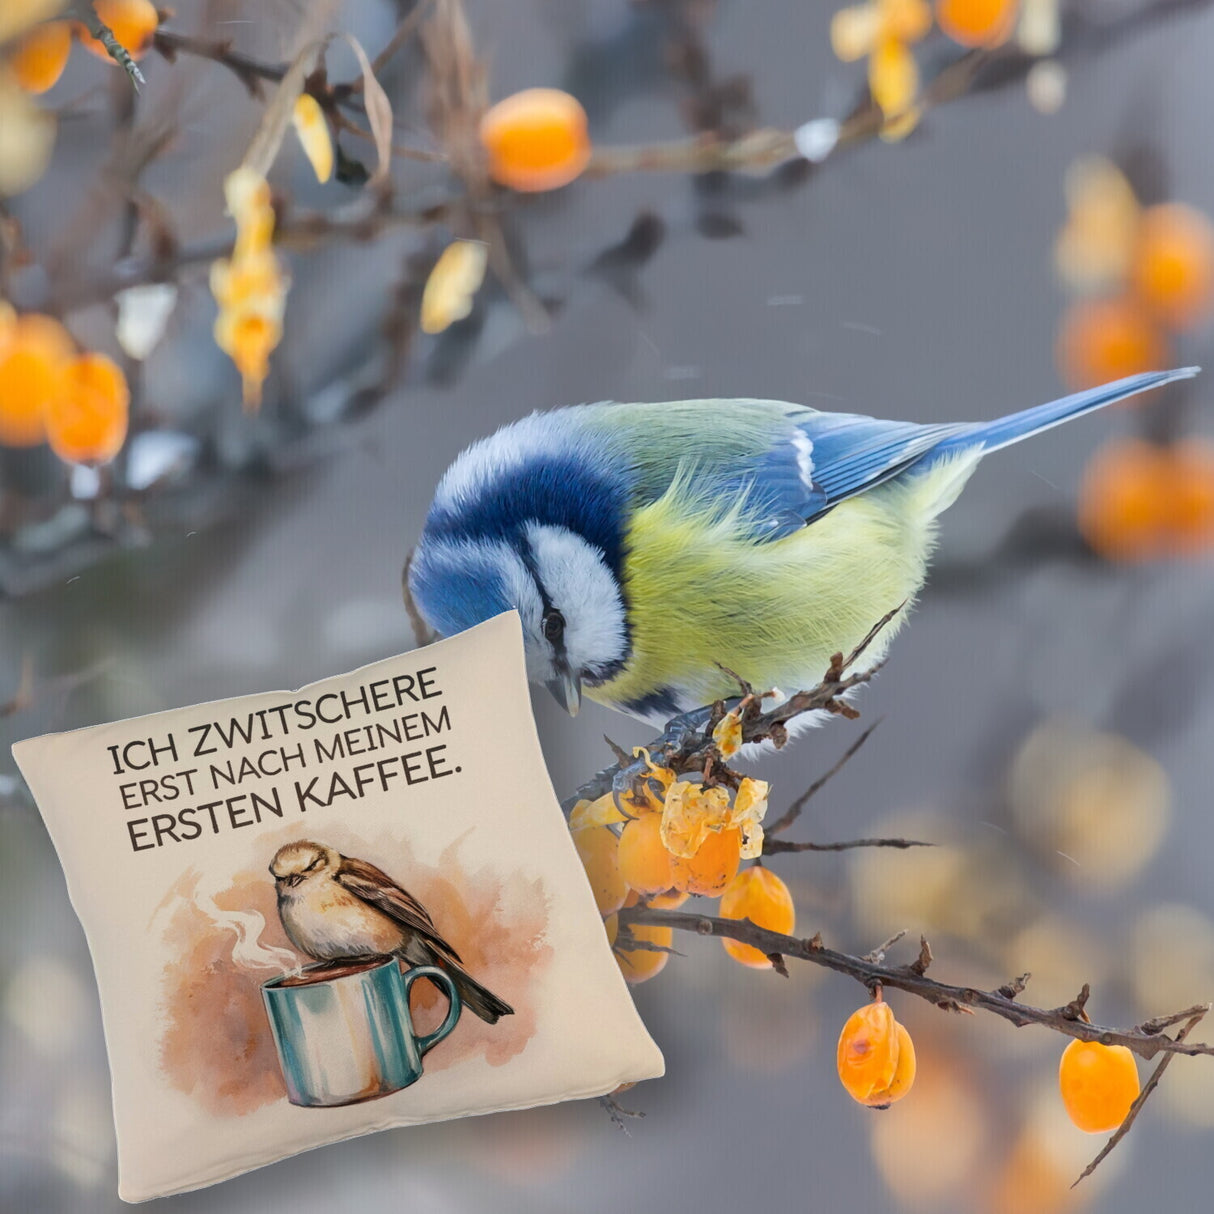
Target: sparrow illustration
{"type": "Point", "coordinates": [336, 907]}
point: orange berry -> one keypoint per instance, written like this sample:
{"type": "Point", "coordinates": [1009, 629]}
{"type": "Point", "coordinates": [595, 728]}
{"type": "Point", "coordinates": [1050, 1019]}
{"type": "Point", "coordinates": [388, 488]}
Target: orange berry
{"type": "Point", "coordinates": [639, 965]}
{"type": "Point", "coordinates": [671, 900]}
{"type": "Point", "coordinates": [1191, 522]}
{"type": "Point", "coordinates": [536, 140]}
{"type": "Point", "coordinates": [1173, 266]}
{"type": "Point", "coordinates": [644, 861]}
{"type": "Point", "coordinates": [132, 22]}
{"type": "Point", "coordinates": [87, 423]}
{"type": "Point", "coordinates": [32, 364]}
{"type": "Point", "coordinates": [713, 867]}
{"type": "Point", "coordinates": [757, 894]}
{"type": "Point", "coordinates": [1098, 1084]}
{"type": "Point", "coordinates": [1104, 339]}
{"type": "Point", "coordinates": [40, 57]}
{"type": "Point", "coordinates": [977, 22]}
{"type": "Point", "coordinates": [876, 1057]}
{"type": "Point", "coordinates": [1124, 500]}
{"type": "Point", "coordinates": [599, 850]}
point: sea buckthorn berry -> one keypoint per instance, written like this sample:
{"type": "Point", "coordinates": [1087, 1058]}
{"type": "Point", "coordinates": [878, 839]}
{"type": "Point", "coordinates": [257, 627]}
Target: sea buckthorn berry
{"type": "Point", "coordinates": [599, 850]}
{"type": "Point", "coordinates": [1098, 1084]}
{"type": "Point", "coordinates": [1105, 339]}
{"type": "Point", "coordinates": [713, 867]}
{"type": "Point", "coordinates": [32, 365]}
{"type": "Point", "coordinates": [87, 422]}
{"type": "Point", "coordinates": [536, 140]}
{"type": "Point", "coordinates": [1191, 527]}
{"type": "Point", "coordinates": [671, 900]}
{"type": "Point", "coordinates": [977, 22]}
{"type": "Point", "coordinates": [132, 22]}
{"type": "Point", "coordinates": [876, 1057]}
{"type": "Point", "coordinates": [639, 965]}
{"type": "Point", "coordinates": [759, 895]}
{"type": "Point", "coordinates": [644, 861]}
{"type": "Point", "coordinates": [1173, 264]}
{"type": "Point", "coordinates": [40, 57]}
{"type": "Point", "coordinates": [1124, 500]}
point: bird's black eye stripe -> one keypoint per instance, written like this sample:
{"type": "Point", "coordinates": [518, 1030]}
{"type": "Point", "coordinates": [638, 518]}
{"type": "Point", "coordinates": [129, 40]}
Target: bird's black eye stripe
{"type": "Point", "coordinates": [553, 625]}
{"type": "Point", "coordinates": [313, 864]}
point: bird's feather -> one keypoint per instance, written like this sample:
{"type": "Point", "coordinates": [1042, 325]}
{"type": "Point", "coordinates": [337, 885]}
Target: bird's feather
{"type": "Point", "coordinates": [377, 889]}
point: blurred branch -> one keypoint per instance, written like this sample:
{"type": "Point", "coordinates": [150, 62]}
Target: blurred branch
{"type": "Point", "coordinates": [1146, 1040]}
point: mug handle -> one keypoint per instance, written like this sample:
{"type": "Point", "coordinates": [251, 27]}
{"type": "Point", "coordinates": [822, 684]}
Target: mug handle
{"type": "Point", "coordinates": [442, 979]}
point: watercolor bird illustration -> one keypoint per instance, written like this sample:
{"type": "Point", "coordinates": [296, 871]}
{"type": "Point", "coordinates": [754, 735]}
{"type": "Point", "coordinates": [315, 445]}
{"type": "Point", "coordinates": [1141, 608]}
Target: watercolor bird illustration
{"type": "Point", "coordinates": [336, 907]}
{"type": "Point", "coordinates": [648, 546]}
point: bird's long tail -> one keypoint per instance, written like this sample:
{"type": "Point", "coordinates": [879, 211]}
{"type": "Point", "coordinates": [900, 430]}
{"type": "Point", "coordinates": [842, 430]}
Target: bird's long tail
{"type": "Point", "coordinates": [1015, 426]}
{"type": "Point", "coordinates": [477, 998]}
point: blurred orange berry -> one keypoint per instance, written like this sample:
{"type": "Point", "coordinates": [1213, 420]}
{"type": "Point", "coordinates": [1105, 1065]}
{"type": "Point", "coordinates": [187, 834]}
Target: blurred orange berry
{"type": "Point", "coordinates": [33, 360]}
{"type": "Point", "coordinates": [671, 900]}
{"type": "Point", "coordinates": [977, 22]}
{"type": "Point", "coordinates": [1191, 500]}
{"type": "Point", "coordinates": [87, 422]}
{"type": "Point", "coordinates": [599, 850]}
{"type": "Point", "coordinates": [639, 965]}
{"type": "Point", "coordinates": [536, 140]}
{"type": "Point", "coordinates": [875, 1057]}
{"type": "Point", "coordinates": [1123, 500]}
{"type": "Point", "coordinates": [40, 57]}
{"type": "Point", "coordinates": [713, 866]}
{"type": "Point", "coordinates": [612, 926]}
{"type": "Point", "coordinates": [1173, 264]}
{"type": "Point", "coordinates": [1105, 339]}
{"type": "Point", "coordinates": [1098, 1084]}
{"type": "Point", "coordinates": [759, 895]}
{"type": "Point", "coordinates": [132, 22]}
{"type": "Point", "coordinates": [644, 861]}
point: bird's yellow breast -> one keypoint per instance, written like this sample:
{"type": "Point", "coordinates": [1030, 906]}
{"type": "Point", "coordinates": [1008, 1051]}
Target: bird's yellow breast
{"type": "Point", "coordinates": [701, 591]}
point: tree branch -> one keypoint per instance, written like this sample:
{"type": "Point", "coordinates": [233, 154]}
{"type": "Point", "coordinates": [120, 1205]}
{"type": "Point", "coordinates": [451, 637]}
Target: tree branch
{"type": "Point", "coordinates": [793, 812]}
{"type": "Point", "coordinates": [1146, 1040]}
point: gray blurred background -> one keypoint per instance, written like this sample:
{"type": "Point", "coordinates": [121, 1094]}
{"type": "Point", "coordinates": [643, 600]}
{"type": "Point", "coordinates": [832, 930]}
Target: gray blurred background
{"type": "Point", "coordinates": [911, 280]}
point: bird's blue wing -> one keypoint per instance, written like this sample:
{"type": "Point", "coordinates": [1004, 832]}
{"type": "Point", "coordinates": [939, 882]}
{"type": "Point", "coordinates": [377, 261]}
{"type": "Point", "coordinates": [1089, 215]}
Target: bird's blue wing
{"type": "Point", "coordinates": [823, 459]}
{"type": "Point", "coordinates": [786, 464]}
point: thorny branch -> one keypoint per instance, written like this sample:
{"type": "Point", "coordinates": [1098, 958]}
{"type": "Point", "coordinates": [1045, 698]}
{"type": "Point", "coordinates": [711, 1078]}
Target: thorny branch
{"type": "Point", "coordinates": [793, 812]}
{"type": "Point", "coordinates": [687, 744]}
{"type": "Point", "coordinates": [1146, 1040]}
{"type": "Point", "coordinates": [1192, 1017]}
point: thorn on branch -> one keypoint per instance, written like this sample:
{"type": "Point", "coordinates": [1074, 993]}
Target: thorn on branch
{"type": "Point", "coordinates": [777, 964]}
{"type": "Point", "coordinates": [87, 12]}
{"type": "Point", "coordinates": [621, 755]}
{"type": "Point", "coordinates": [1009, 990]}
{"type": "Point", "coordinates": [920, 964]}
{"type": "Point", "coordinates": [877, 956]}
{"type": "Point", "coordinates": [1075, 1009]}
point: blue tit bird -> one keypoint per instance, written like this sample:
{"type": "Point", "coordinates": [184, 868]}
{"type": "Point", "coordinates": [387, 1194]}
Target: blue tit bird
{"type": "Point", "coordinates": [646, 545]}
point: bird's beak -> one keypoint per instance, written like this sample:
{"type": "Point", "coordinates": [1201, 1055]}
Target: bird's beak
{"type": "Point", "coordinates": [567, 689]}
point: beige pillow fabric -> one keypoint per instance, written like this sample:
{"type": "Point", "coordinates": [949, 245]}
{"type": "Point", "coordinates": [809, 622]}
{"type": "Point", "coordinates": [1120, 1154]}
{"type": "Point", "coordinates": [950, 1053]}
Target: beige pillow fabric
{"type": "Point", "coordinates": [426, 945]}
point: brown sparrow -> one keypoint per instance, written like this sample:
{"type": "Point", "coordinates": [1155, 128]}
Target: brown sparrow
{"type": "Point", "coordinates": [334, 907]}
